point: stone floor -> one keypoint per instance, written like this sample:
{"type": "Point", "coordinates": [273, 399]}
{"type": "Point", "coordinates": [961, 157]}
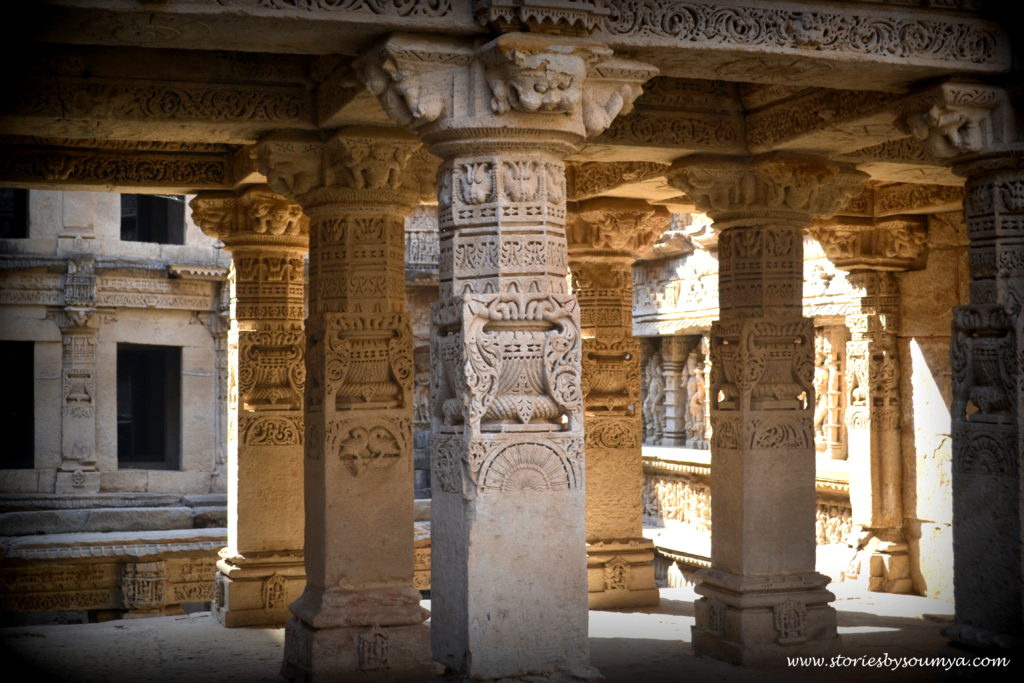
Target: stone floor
{"type": "Point", "coordinates": [642, 645]}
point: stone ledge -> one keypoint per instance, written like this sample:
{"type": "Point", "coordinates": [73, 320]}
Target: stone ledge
{"type": "Point", "coordinates": [126, 544]}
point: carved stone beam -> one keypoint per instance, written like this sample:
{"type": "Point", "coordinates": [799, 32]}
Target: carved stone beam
{"type": "Point", "coordinates": [507, 441]}
{"type": "Point", "coordinates": [762, 403]}
{"type": "Point", "coordinates": [172, 95]}
{"type": "Point", "coordinates": [809, 44]}
{"type": "Point", "coordinates": [895, 199]}
{"type": "Point", "coordinates": [261, 571]}
{"type": "Point", "coordinates": [591, 179]}
{"type": "Point", "coordinates": [676, 116]}
{"type": "Point", "coordinates": [826, 122]}
{"type": "Point", "coordinates": [901, 161]}
{"type": "Point", "coordinates": [359, 612]}
{"type": "Point", "coordinates": [252, 26]}
{"type": "Point", "coordinates": [74, 164]}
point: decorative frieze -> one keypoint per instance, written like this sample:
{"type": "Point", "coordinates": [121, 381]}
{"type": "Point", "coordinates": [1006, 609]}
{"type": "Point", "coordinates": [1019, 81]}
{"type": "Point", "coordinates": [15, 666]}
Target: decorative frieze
{"type": "Point", "coordinates": [826, 30]}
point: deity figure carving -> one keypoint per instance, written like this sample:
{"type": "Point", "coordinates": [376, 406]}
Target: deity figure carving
{"type": "Point", "coordinates": [822, 379]}
{"type": "Point", "coordinates": [654, 401]}
{"type": "Point", "coordinates": [696, 397]}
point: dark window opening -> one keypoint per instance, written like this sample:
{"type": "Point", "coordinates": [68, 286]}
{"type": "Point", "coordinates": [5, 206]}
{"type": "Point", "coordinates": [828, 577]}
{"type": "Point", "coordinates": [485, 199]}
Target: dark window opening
{"type": "Point", "coordinates": [13, 213]}
{"type": "Point", "coordinates": [148, 407]}
{"type": "Point", "coordinates": [17, 403]}
{"type": "Point", "coordinates": [153, 218]}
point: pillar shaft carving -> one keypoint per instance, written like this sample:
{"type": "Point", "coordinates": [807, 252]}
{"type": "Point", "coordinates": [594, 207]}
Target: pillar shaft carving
{"type": "Point", "coordinates": [359, 595]}
{"type": "Point", "coordinates": [507, 443]}
{"type": "Point", "coordinates": [603, 236]}
{"type": "Point", "coordinates": [267, 235]}
{"type": "Point", "coordinates": [78, 324]}
{"type": "Point", "coordinates": [762, 405]}
{"type": "Point", "coordinates": [974, 124]}
{"type": "Point", "coordinates": [873, 250]}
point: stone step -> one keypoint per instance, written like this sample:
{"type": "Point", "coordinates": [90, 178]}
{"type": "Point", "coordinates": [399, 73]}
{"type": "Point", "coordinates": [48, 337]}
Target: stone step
{"type": "Point", "coordinates": [37, 522]}
{"type": "Point", "coordinates": [127, 544]}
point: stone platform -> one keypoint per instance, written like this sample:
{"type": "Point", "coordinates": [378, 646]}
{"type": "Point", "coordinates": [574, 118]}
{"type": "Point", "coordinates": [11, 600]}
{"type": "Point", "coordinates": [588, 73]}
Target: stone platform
{"type": "Point", "coordinates": [649, 645]}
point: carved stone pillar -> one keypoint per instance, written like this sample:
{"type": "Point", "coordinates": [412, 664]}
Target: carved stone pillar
{"type": "Point", "coordinates": [359, 616]}
{"type": "Point", "coordinates": [674, 352]}
{"type": "Point", "coordinates": [976, 125]}
{"type": "Point", "coordinates": [762, 599]}
{"type": "Point", "coordinates": [78, 324]}
{"type": "Point", "coordinates": [260, 570]}
{"type": "Point", "coordinates": [509, 577]}
{"type": "Point", "coordinates": [873, 251]}
{"type": "Point", "coordinates": [603, 237]}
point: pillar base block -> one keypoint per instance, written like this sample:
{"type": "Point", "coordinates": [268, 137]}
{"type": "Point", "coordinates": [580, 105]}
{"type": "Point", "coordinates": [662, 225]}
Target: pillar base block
{"type": "Point", "coordinates": [621, 574]}
{"type": "Point", "coordinates": [321, 609]}
{"type": "Point", "coordinates": [357, 654]}
{"type": "Point", "coordinates": [256, 590]}
{"type": "Point", "coordinates": [79, 482]}
{"type": "Point", "coordinates": [770, 618]}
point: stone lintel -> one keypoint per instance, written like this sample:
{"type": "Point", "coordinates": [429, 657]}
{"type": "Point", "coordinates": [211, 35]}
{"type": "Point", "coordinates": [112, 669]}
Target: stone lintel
{"type": "Point", "coordinates": [812, 43]}
{"type": "Point", "coordinates": [43, 164]}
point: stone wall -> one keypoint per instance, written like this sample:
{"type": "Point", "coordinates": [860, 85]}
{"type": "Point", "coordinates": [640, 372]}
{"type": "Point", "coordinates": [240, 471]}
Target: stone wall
{"type": "Point", "coordinates": [76, 290]}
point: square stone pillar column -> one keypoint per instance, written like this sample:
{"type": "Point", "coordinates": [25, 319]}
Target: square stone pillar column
{"type": "Point", "coordinates": [359, 617]}
{"type": "Point", "coordinates": [603, 236]}
{"type": "Point", "coordinates": [762, 599]}
{"type": "Point", "coordinates": [508, 582]}
{"type": "Point", "coordinates": [261, 570]}
{"type": "Point", "coordinates": [874, 251]}
{"type": "Point", "coordinates": [976, 126]}
{"type": "Point", "coordinates": [78, 324]}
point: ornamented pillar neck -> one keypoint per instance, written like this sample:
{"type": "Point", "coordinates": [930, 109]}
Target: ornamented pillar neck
{"type": "Point", "coordinates": [261, 570]}
{"type": "Point", "coordinates": [762, 398]}
{"type": "Point", "coordinates": [507, 416]}
{"type": "Point", "coordinates": [359, 612]}
{"type": "Point", "coordinates": [874, 251]}
{"type": "Point", "coordinates": [604, 234]}
{"type": "Point", "coordinates": [975, 125]}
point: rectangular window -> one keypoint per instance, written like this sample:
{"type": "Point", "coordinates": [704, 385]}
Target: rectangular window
{"type": "Point", "coordinates": [156, 218]}
{"type": "Point", "coordinates": [148, 407]}
{"type": "Point", "coordinates": [17, 403]}
{"type": "Point", "coordinates": [13, 213]}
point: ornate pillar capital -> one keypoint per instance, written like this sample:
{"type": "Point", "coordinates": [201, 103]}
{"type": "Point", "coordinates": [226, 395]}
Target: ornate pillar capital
{"type": "Point", "coordinates": [613, 227]}
{"type": "Point", "coordinates": [896, 243]}
{"type": "Point", "coordinates": [253, 217]}
{"type": "Point", "coordinates": [767, 189]}
{"type": "Point", "coordinates": [958, 118]}
{"type": "Point", "coordinates": [561, 88]}
{"type": "Point", "coordinates": [351, 166]}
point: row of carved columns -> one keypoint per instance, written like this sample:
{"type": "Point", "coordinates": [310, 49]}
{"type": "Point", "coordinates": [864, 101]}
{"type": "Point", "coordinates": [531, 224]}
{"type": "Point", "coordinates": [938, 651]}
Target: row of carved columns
{"type": "Point", "coordinates": [529, 372]}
